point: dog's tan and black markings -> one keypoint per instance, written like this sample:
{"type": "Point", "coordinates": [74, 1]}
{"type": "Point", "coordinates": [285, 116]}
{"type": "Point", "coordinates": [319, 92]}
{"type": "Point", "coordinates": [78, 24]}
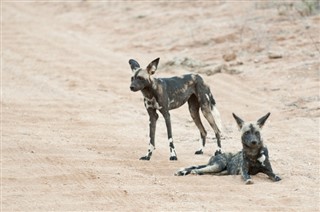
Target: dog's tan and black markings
{"type": "Point", "coordinates": [165, 94]}
{"type": "Point", "coordinates": [253, 158]}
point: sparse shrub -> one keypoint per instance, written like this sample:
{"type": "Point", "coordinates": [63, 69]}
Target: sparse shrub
{"type": "Point", "coordinates": [302, 7]}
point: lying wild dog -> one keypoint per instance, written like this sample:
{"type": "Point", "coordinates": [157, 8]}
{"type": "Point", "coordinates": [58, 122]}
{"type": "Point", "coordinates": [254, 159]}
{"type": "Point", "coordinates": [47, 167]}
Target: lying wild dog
{"type": "Point", "coordinates": [253, 158]}
{"type": "Point", "coordinates": [165, 94]}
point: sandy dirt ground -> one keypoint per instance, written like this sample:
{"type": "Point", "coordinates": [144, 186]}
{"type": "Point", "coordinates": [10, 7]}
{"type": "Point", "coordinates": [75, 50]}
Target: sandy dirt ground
{"type": "Point", "coordinates": [73, 132]}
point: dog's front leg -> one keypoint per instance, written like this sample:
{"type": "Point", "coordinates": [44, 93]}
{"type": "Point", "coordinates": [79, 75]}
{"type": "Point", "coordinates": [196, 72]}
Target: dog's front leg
{"type": "Point", "coordinates": [267, 169]}
{"type": "Point", "coordinates": [153, 117]}
{"type": "Point", "coordinates": [166, 115]}
{"type": "Point", "coordinates": [245, 172]}
{"type": "Point", "coordinates": [266, 165]}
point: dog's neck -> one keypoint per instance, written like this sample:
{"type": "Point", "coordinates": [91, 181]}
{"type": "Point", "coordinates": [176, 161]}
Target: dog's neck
{"type": "Point", "coordinates": [150, 91]}
{"type": "Point", "coordinates": [252, 154]}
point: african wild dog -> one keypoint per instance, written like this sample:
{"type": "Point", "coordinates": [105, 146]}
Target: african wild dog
{"type": "Point", "coordinates": [251, 160]}
{"type": "Point", "coordinates": [165, 94]}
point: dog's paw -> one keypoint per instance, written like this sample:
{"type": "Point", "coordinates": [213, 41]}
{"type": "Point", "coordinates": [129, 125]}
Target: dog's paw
{"type": "Point", "coordinates": [218, 152]}
{"type": "Point", "coordinates": [249, 182]}
{"type": "Point", "coordinates": [173, 158]}
{"type": "Point", "coordinates": [145, 158]}
{"type": "Point", "coordinates": [181, 172]}
{"type": "Point", "coordinates": [276, 178]}
{"type": "Point", "coordinates": [199, 152]}
{"type": "Point", "coordinates": [178, 173]}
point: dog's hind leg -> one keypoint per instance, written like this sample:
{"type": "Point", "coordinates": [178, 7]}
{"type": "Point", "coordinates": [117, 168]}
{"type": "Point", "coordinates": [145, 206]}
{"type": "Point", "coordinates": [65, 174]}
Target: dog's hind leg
{"type": "Point", "coordinates": [206, 110]}
{"type": "Point", "coordinates": [217, 165]}
{"type": "Point", "coordinates": [194, 112]}
{"type": "Point", "coordinates": [207, 104]}
{"type": "Point", "coordinates": [209, 169]}
{"type": "Point", "coordinates": [186, 171]}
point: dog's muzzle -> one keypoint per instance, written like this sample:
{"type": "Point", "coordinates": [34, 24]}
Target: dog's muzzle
{"type": "Point", "coordinates": [254, 142]}
{"type": "Point", "coordinates": [134, 89]}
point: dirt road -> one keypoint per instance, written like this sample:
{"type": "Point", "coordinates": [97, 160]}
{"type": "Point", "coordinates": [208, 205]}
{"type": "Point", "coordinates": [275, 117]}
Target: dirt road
{"type": "Point", "coordinates": [72, 132]}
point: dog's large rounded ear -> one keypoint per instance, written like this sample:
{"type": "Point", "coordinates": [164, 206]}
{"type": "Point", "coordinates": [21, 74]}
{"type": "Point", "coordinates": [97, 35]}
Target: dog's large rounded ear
{"type": "Point", "coordinates": [238, 120]}
{"type": "Point", "coordinates": [262, 120]}
{"type": "Point", "coordinates": [134, 64]}
{"type": "Point", "coordinates": [152, 67]}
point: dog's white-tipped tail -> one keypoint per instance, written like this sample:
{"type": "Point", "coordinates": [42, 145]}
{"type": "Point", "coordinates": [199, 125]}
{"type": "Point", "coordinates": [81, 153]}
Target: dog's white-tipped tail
{"type": "Point", "coordinates": [217, 118]}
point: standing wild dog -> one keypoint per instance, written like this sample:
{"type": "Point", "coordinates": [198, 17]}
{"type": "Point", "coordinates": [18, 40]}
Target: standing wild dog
{"type": "Point", "coordinates": [253, 158]}
{"type": "Point", "coordinates": [165, 94]}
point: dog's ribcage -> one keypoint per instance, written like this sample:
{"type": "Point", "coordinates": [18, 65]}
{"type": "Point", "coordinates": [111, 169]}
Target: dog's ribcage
{"type": "Point", "coordinates": [177, 89]}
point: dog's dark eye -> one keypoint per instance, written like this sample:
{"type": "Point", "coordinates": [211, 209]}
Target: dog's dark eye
{"type": "Point", "coordinates": [140, 78]}
{"type": "Point", "coordinates": [246, 133]}
{"type": "Point", "coordinates": [132, 79]}
{"type": "Point", "coordinates": [257, 133]}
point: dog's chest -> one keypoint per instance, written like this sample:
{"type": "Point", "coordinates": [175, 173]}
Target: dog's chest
{"type": "Point", "coordinates": [151, 103]}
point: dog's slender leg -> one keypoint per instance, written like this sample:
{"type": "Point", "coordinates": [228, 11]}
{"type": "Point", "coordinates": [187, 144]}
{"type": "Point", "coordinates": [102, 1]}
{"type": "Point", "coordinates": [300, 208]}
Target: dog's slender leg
{"type": "Point", "coordinates": [208, 115]}
{"type": "Point", "coordinates": [202, 143]}
{"type": "Point", "coordinates": [186, 171]}
{"type": "Point", "coordinates": [194, 112]}
{"type": "Point", "coordinates": [217, 120]}
{"type": "Point", "coordinates": [153, 117]}
{"type": "Point", "coordinates": [216, 165]}
{"type": "Point", "coordinates": [245, 172]}
{"type": "Point", "coordinates": [166, 115]}
{"type": "Point", "coordinates": [173, 154]}
{"type": "Point", "coordinates": [268, 171]}
{"type": "Point", "coordinates": [207, 104]}
{"type": "Point", "coordinates": [272, 175]}
{"type": "Point", "coordinates": [209, 169]}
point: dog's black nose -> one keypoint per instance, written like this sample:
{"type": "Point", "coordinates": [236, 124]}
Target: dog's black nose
{"type": "Point", "coordinates": [132, 88]}
{"type": "Point", "coordinates": [254, 142]}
